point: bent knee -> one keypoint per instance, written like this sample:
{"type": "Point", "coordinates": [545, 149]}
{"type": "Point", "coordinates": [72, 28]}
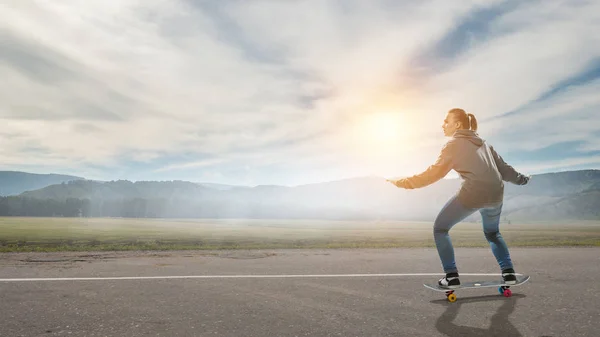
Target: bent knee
{"type": "Point", "coordinates": [440, 226]}
{"type": "Point", "coordinates": [440, 230]}
{"type": "Point", "coordinates": [491, 236]}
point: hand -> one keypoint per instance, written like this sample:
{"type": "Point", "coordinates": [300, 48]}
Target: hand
{"type": "Point", "coordinates": [523, 180]}
{"type": "Point", "coordinates": [402, 183]}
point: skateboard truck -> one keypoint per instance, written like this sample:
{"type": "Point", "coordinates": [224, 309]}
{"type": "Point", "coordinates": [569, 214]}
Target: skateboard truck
{"type": "Point", "coordinates": [450, 295]}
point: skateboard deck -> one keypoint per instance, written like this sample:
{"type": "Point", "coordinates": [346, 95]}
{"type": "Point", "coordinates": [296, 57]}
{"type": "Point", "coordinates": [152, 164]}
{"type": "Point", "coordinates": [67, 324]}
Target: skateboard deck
{"type": "Point", "coordinates": [503, 288]}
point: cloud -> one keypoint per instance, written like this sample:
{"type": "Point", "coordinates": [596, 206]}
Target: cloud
{"type": "Point", "coordinates": [568, 117]}
{"type": "Point", "coordinates": [274, 91]}
{"type": "Point", "coordinates": [34, 60]}
{"type": "Point", "coordinates": [472, 30]}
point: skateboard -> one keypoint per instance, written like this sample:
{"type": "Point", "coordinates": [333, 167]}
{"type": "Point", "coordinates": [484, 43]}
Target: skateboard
{"type": "Point", "coordinates": [503, 288]}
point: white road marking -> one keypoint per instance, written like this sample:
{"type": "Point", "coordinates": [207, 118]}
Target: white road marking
{"type": "Point", "coordinates": [223, 277]}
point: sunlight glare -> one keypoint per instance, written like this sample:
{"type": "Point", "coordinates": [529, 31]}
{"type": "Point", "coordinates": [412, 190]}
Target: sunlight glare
{"type": "Point", "coordinates": [383, 129]}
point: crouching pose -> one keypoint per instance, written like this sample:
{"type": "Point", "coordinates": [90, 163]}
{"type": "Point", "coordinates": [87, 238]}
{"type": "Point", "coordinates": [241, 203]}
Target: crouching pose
{"type": "Point", "coordinates": [483, 172]}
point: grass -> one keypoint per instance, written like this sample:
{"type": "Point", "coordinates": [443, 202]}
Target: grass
{"type": "Point", "coordinates": [19, 234]}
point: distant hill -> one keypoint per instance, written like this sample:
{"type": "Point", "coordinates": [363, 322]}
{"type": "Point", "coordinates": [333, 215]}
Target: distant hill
{"type": "Point", "coordinates": [14, 182]}
{"type": "Point", "coordinates": [120, 189]}
{"type": "Point", "coordinates": [558, 184]}
{"type": "Point", "coordinates": [221, 187]}
{"type": "Point", "coordinates": [562, 195]}
{"type": "Point", "coordinates": [579, 206]}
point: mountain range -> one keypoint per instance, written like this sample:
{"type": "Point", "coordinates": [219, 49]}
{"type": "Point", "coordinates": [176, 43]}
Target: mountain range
{"type": "Point", "coordinates": [559, 196]}
{"type": "Point", "coordinates": [15, 182]}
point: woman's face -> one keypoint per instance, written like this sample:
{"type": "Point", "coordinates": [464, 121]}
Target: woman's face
{"type": "Point", "coordinates": [450, 125]}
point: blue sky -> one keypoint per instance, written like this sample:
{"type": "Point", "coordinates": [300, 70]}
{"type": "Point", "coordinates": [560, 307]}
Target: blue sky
{"type": "Point", "coordinates": [292, 92]}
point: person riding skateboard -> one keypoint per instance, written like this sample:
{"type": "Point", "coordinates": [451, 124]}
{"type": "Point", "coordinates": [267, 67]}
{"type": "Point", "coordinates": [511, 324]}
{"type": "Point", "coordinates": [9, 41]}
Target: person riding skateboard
{"type": "Point", "coordinates": [483, 171]}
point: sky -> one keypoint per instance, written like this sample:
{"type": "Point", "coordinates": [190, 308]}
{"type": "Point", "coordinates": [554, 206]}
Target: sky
{"type": "Point", "coordinates": [292, 92]}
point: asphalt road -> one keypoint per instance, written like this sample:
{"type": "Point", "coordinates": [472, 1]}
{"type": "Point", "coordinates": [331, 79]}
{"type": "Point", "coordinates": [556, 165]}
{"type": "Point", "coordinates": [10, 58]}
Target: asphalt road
{"type": "Point", "coordinates": [305, 293]}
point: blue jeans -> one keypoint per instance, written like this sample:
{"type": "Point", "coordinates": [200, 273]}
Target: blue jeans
{"type": "Point", "coordinates": [454, 212]}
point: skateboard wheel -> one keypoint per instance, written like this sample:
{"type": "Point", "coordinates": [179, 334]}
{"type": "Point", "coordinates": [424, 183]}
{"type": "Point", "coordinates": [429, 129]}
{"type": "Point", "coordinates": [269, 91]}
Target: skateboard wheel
{"type": "Point", "coordinates": [507, 293]}
{"type": "Point", "coordinates": [500, 290]}
{"type": "Point", "coordinates": [452, 298]}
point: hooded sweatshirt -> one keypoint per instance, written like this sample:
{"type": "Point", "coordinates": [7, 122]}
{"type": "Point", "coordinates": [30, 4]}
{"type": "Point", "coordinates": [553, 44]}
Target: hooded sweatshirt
{"type": "Point", "coordinates": [480, 167]}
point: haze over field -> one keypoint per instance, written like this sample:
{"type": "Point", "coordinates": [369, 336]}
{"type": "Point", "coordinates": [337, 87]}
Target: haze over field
{"type": "Point", "coordinates": [292, 93]}
{"type": "Point", "coordinates": [563, 196]}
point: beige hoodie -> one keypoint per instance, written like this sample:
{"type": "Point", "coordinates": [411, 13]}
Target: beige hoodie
{"type": "Point", "coordinates": [481, 168]}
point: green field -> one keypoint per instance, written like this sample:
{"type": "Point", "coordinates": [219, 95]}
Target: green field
{"type": "Point", "coordinates": [85, 234]}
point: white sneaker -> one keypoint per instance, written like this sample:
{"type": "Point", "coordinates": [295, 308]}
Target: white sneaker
{"type": "Point", "coordinates": [450, 281]}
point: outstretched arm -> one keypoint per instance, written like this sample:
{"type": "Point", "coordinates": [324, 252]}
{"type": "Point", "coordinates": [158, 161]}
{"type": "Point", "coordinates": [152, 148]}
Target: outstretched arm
{"type": "Point", "coordinates": [435, 172]}
{"type": "Point", "coordinates": [508, 172]}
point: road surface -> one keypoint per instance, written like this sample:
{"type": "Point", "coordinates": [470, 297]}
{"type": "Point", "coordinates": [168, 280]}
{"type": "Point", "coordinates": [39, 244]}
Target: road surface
{"type": "Point", "coordinates": [363, 292]}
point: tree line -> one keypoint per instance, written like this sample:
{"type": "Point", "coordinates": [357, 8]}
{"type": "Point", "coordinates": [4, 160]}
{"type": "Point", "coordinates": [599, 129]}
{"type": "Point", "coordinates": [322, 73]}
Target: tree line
{"type": "Point", "coordinates": [74, 207]}
{"type": "Point", "coordinates": [122, 207]}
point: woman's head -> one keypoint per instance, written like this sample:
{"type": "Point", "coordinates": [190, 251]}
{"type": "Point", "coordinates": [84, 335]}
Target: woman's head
{"type": "Point", "coordinates": [458, 119]}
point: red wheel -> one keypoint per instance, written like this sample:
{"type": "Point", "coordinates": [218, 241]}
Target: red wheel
{"type": "Point", "coordinates": [507, 293]}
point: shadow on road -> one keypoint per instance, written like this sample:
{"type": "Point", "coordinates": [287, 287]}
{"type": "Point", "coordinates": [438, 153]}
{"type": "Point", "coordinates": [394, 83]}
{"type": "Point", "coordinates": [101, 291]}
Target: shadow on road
{"type": "Point", "coordinates": [501, 326]}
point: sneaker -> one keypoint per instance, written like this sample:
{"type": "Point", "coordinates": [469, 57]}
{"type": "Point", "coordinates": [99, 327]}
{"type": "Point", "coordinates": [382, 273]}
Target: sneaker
{"type": "Point", "coordinates": [509, 276]}
{"type": "Point", "coordinates": [450, 281]}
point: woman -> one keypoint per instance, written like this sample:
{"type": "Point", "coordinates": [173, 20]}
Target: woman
{"type": "Point", "coordinates": [483, 172]}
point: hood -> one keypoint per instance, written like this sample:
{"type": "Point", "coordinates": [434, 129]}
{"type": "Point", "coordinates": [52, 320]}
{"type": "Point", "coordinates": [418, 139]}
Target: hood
{"type": "Point", "coordinates": [469, 135]}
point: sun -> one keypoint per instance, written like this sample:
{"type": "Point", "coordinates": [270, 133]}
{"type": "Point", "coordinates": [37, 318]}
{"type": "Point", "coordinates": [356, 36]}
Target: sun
{"type": "Point", "coordinates": [379, 135]}
{"type": "Point", "coordinates": [383, 128]}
